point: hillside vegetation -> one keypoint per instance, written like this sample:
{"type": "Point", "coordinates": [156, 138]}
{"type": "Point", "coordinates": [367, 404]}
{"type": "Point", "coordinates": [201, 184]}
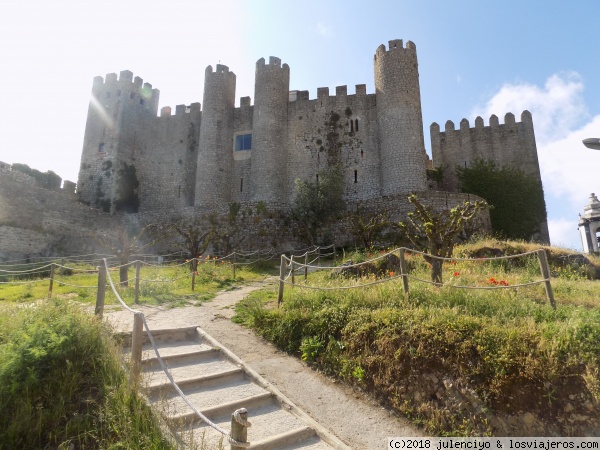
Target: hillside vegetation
{"type": "Point", "coordinates": [62, 385]}
{"type": "Point", "coordinates": [456, 361]}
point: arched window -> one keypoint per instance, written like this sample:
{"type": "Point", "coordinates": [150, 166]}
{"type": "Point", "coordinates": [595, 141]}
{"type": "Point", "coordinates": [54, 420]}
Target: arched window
{"type": "Point", "coordinates": [356, 126]}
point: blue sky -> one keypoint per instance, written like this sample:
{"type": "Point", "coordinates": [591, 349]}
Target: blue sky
{"type": "Point", "coordinates": [475, 58]}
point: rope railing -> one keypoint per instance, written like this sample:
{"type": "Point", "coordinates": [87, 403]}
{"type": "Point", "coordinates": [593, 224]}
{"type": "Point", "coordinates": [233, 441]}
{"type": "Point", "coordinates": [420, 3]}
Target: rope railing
{"type": "Point", "coordinates": [294, 265]}
{"type": "Point", "coordinates": [140, 318]}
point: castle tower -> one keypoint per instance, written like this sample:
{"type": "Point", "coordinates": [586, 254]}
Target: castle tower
{"type": "Point", "coordinates": [120, 112]}
{"type": "Point", "coordinates": [399, 118]}
{"type": "Point", "coordinates": [271, 96]}
{"type": "Point", "coordinates": [214, 169]}
{"type": "Point", "coordinates": [589, 226]}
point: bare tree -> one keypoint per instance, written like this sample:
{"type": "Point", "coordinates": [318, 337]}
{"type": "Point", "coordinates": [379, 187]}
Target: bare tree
{"type": "Point", "coordinates": [436, 233]}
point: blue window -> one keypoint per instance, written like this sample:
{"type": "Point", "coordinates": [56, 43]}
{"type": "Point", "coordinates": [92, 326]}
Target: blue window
{"type": "Point", "coordinates": [243, 142]}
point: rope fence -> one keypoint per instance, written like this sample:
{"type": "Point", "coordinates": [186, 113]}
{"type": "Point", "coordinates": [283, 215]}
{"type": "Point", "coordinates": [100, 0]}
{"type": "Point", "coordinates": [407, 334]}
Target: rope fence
{"type": "Point", "coordinates": [290, 265]}
{"type": "Point", "coordinates": [139, 324]}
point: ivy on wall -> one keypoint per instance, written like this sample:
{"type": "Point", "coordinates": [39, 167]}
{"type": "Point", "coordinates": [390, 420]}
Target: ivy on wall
{"type": "Point", "coordinates": [517, 199]}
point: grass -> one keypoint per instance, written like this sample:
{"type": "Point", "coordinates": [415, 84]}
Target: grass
{"type": "Point", "coordinates": [61, 382]}
{"type": "Point", "coordinates": [492, 353]}
{"type": "Point", "coordinates": [62, 385]}
{"type": "Point", "coordinates": [166, 284]}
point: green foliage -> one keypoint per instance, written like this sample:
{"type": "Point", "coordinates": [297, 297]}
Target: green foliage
{"type": "Point", "coordinates": [127, 199]}
{"type": "Point", "coordinates": [505, 347]}
{"type": "Point", "coordinates": [62, 385]}
{"type": "Point", "coordinates": [436, 175]}
{"type": "Point", "coordinates": [311, 347]}
{"type": "Point", "coordinates": [318, 203]}
{"type": "Point", "coordinates": [517, 199]}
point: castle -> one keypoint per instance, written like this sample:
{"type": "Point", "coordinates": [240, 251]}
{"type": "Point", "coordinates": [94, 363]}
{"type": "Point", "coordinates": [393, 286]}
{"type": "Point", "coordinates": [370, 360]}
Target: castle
{"type": "Point", "coordinates": [205, 157]}
{"type": "Point", "coordinates": [219, 153]}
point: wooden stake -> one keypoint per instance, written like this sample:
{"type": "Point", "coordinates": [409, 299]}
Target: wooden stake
{"type": "Point", "coordinates": [281, 283]}
{"type": "Point", "coordinates": [101, 289]}
{"type": "Point", "coordinates": [239, 431]}
{"type": "Point", "coordinates": [51, 281]}
{"type": "Point", "coordinates": [136, 347]}
{"type": "Point", "coordinates": [546, 274]}
{"type": "Point", "coordinates": [138, 263]}
{"type": "Point", "coordinates": [403, 271]}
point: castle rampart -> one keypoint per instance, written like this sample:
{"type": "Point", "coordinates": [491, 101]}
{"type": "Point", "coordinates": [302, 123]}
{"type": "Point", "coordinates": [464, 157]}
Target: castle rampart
{"type": "Point", "coordinates": [511, 143]}
{"type": "Point", "coordinates": [214, 153]}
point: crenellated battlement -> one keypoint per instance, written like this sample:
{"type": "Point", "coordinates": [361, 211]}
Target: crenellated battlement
{"type": "Point", "coordinates": [394, 47]}
{"type": "Point", "coordinates": [494, 122]}
{"type": "Point", "coordinates": [217, 153]}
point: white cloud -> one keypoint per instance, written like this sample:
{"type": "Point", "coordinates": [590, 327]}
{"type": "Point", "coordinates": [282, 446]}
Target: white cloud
{"type": "Point", "coordinates": [557, 107]}
{"type": "Point", "coordinates": [561, 121]}
{"type": "Point", "coordinates": [569, 169]}
{"type": "Point", "coordinates": [564, 233]}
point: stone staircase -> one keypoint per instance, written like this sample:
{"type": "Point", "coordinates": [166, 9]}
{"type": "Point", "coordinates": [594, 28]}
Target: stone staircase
{"type": "Point", "coordinates": [217, 383]}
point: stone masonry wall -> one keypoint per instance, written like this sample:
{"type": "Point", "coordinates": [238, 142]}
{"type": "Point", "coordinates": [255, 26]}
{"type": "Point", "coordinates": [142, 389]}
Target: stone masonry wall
{"type": "Point", "coordinates": [41, 222]}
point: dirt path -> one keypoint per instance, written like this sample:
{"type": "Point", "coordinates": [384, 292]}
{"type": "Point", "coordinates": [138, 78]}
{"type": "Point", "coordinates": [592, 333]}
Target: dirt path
{"type": "Point", "coordinates": [349, 415]}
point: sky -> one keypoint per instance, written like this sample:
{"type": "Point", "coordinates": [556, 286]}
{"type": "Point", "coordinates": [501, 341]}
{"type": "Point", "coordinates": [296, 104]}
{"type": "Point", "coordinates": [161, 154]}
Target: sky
{"type": "Point", "coordinates": [476, 57]}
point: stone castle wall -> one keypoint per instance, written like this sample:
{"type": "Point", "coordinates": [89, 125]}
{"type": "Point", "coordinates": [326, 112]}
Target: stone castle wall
{"type": "Point", "coordinates": [376, 138]}
{"type": "Point", "coordinates": [35, 221]}
{"type": "Point", "coordinates": [509, 144]}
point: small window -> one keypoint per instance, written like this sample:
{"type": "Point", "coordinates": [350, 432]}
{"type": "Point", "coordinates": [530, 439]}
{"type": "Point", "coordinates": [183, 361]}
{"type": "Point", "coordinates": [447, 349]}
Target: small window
{"type": "Point", "coordinates": [243, 142]}
{"type": "Point", "coordinates": [142, 101]}
{"type": "Point", "coordinates": [356, 176]}
{"type": "Point", "coordinates": [317, 178]}
{"type": "Point", "coordinates": [101, 147]}
{"type": "Point", "coordinates": [241, 185]}
{"type": "Point", "coordinates": [362, 153]}
{"type": "Point", "coordinates": [356, 126]}
{"type": "Point", "coordinates": [351, 126]}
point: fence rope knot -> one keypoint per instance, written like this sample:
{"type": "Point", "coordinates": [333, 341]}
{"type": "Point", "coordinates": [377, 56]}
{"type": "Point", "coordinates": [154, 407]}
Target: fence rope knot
{"type": "Point", "coordinates": [239, 419]}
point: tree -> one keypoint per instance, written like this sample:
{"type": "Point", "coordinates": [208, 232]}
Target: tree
{"type": "Point", "coordinates": [128, 240]}
{"type": "Point", "coordinates": [367, 227]}
{"type": "Point", "coordinates": [196, 234]}
{"type": "Point", "coordinates": [436, 233]}
{"type": "Point", "coordinates": [517, 199]}
{"type": "Point", "coordinates": [316, 203]}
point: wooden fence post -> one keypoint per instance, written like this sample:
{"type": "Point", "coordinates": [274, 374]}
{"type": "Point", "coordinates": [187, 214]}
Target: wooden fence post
{"type": "Point", "coordinates": [293, 270]}
{"type": "Point", "coordinates": [318, 256]}
{"type": "Point", "coordinates": [239, 431]}
{"type": "Point", "coordinates": [334, 254]}
{"type": "Point", "coordinates": [193, 279]}
{"type": "Point", "coordinates": [281, 283]}
{"type": "Point", "coordinates": [101, 289]}
{"type": "Point", "coordinates": [403, 271]}
{"type": "Point", "coordinates": [138, 264]}
{"type": "Point", "coordinates": [136, 347]}
{"type": "Point", "coordinates": [546, 274]}
{"type": "Point", "coordinates": [234, 262]}
{"type": "Point", "coordinates": [51, 281]}
{"type": "Point", "coordinates": [305, 265]}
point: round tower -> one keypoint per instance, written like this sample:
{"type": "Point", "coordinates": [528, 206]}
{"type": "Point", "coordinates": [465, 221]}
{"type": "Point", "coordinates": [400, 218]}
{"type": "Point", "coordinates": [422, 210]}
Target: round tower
{"type": "Point", "coordinates": [269, 131]}
{"type": "Point", "coordinates": [214, 168]}
{"type": "Point", "coordinates": [399, 118]}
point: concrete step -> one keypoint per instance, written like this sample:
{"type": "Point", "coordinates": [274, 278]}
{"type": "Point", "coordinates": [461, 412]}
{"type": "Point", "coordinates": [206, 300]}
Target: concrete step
{"type": "Point", "coordinates": [217, 383]}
